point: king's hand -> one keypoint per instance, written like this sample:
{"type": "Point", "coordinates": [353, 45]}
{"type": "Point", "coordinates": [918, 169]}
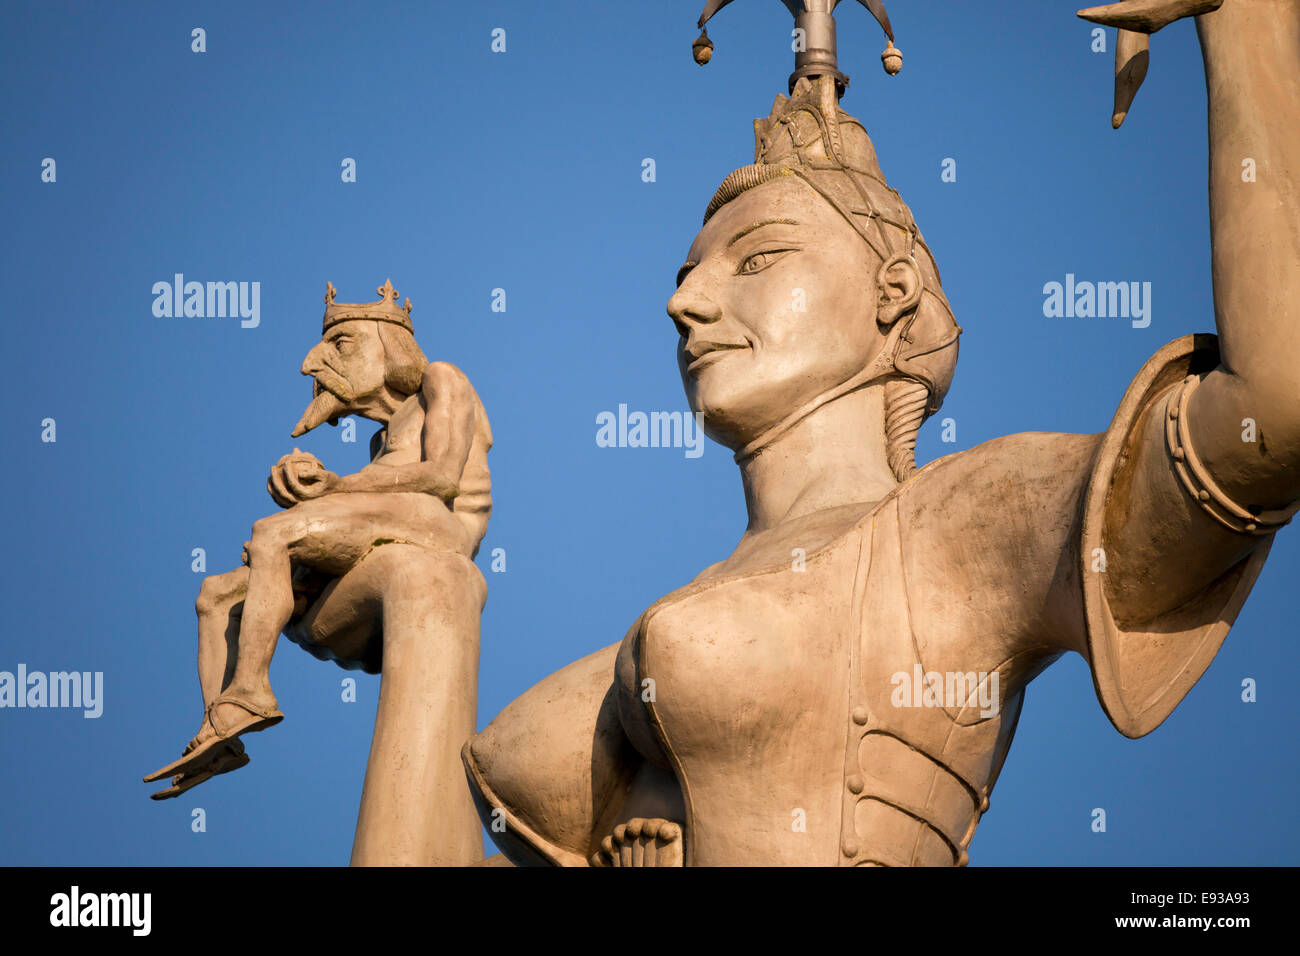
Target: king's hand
{"type": "Point", "coordinates": [1136, 20]}
{"type": "Point", "coordinates": [298, 476]}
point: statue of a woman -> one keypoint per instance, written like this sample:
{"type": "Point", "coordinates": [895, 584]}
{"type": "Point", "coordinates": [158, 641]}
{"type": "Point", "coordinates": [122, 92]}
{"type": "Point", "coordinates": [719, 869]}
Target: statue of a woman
{"type": "Point", "coordinates": [795, 703]}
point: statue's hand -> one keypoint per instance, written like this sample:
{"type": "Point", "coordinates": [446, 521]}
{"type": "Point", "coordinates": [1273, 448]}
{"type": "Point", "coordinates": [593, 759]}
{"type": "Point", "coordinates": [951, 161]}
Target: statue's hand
{"type": "Point", "coordinates": [307, 480]}
{"type": "Point", "coordinates": [641, 842]}
{"type": "Point", "coordinates": [298, 476]}
{"type": "Point", "coordinates": [1147, 16]}
{"type": "Point", "coordinates": [1136, 20]}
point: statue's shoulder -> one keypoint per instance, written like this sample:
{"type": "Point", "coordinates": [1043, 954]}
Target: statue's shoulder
{"type": "Point", "coordinates": [446, 371]}
{"type": "Point", "coordinates": [998, 524]}
{"type": "Point", "coordinates": [1016, 495]}
{"type": "Point", "coordinates": [441, 378]}
{"type": "Point", "coordinates": [1013, 479]}
{"type": "Point", "coordinates": [1011, 524]}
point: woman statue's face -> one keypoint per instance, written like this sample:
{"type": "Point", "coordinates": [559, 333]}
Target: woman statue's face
{"type": "Point", "coordinates": [775, 306]}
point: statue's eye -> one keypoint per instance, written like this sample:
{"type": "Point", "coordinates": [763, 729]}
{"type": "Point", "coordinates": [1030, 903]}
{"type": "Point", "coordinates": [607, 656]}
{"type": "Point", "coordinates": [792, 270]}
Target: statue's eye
{"type": "Point", "coordinates": [760, 261]}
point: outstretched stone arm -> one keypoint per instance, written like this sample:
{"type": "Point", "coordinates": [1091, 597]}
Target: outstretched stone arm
{"type": "Point", "coordinates": [448, 402]}
{"type": "Point", "coordinates": [1138, 547]}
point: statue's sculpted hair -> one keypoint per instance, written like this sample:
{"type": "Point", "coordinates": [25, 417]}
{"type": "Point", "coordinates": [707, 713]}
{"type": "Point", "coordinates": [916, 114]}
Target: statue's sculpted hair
{"type": "Point", "coordinates": [808, 137]}
{"type": "Point", "coordinates": [404, 362]}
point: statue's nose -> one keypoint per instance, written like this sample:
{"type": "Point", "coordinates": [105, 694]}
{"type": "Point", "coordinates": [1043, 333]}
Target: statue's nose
{"type": "Point", "coordinates": [689, 307]}
{"type": "Point", "coordinates": [312, 363]}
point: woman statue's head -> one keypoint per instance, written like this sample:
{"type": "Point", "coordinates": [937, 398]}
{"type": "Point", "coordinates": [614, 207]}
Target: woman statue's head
{"type": "Point", "coordinates": [809, 280]}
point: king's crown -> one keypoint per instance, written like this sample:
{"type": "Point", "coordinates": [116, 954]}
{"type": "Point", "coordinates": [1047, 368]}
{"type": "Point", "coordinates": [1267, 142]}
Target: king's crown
{"type": "Point", "coordinates": [384, 310]}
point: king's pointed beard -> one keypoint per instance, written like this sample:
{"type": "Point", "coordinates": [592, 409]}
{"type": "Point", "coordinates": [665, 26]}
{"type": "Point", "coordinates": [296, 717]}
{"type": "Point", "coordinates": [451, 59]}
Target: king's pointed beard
{"type": "Point", "coordinates": [332, 395]}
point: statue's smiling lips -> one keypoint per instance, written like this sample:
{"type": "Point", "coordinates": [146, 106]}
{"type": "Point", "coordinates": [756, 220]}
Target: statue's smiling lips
{"type": "Point", "coordinates": [701, 354]}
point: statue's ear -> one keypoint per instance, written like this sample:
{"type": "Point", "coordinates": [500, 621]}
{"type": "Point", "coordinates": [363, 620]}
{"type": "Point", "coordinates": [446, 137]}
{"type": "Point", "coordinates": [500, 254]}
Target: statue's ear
{"type": "Point", "coordinates": [900, 284]}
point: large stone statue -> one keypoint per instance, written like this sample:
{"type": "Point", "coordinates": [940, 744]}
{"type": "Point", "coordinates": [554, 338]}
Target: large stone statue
{"type": "Point", "coordinates": [843, 689]}
{"type": "Point", "coordinates": [372, 570]}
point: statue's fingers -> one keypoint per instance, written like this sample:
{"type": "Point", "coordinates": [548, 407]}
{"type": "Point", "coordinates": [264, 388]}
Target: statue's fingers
{"type": "Point", "coordinates": [1147, 16]}
{"type": "Point", "coordinates": [609, 855]}
{"type": "Point", "coordinates": [279, 491]}
{"type": "Point", "coordinates": [277, 480]}
{"type": "Point", "coordinates": [297, 487]}
{"type": "Point", "coordinates": [668, 851]}
{"type": "Point", "coordinates": [1132, 57]}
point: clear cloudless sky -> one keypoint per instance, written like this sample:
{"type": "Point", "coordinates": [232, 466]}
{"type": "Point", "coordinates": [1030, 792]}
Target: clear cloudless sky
{"type": "Point", "coordinates": [522, 170]}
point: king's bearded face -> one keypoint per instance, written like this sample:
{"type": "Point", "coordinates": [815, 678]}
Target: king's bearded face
{"type": "Point", "coordinates": [347, 367]}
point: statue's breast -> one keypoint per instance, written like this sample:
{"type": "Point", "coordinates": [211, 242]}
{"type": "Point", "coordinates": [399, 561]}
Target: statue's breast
{"type": "Point", "coordinates": [772, 697]}
{"type": "Point", "coordinates": [739, 685]}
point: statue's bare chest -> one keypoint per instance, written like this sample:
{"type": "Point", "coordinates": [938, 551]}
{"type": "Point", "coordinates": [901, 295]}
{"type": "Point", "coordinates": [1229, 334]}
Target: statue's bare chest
{"type": "Point", "coordinates": [402, 440]}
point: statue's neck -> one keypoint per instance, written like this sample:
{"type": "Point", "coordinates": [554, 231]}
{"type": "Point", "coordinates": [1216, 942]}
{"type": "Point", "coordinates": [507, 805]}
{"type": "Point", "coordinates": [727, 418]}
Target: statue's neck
{"type": "Point", "coordinates": [833, 457]}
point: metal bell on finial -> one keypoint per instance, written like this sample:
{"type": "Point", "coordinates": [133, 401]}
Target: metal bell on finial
{"type": "Point", "coordinates": [702, 48]}
{"type": "Point", "coordinates": [892, 59]}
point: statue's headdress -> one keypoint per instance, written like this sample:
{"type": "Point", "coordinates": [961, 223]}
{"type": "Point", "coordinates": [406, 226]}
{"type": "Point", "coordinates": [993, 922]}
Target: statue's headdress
{"type": "Point", "coordinates": [809, 138]}
{"type": "Point", "coordinates": [384, 310]}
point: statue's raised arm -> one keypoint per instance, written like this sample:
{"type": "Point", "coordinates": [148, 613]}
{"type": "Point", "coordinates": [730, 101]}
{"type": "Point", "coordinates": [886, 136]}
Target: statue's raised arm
{"type": "Point", "coordinates": [1211, 466]}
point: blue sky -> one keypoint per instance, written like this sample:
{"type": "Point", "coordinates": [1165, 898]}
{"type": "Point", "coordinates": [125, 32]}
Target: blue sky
{"type": "Point", "coordinates": [522, 170]}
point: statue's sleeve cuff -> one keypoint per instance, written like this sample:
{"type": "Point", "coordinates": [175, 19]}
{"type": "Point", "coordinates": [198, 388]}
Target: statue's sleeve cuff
{"type": "Point", "coordinates": [1200, 484]}
{"type": "Point", "coordinates": [1141, 673]}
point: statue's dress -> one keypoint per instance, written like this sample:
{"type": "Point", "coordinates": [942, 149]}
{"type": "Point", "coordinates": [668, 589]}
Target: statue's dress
{"type": "Point", "coordinates": [764, 709]}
